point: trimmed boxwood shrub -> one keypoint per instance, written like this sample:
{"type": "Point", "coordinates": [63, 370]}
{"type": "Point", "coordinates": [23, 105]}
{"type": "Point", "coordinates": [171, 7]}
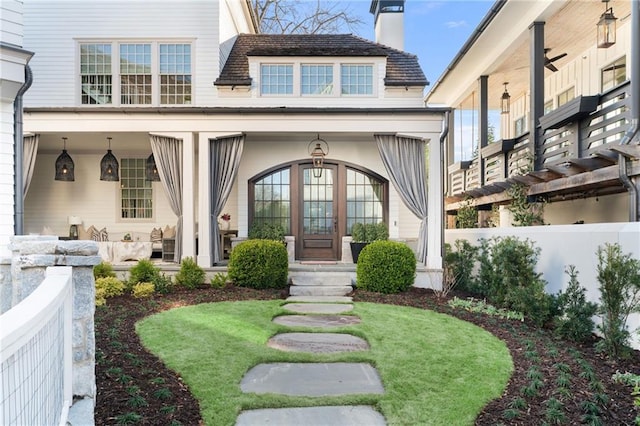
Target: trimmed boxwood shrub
{"type": "Point", "coordinates": [259, 264]}
{"type": "Point", "coordinates": [386, 267]}
{"type": "Point", "coordinates": [191, 275]}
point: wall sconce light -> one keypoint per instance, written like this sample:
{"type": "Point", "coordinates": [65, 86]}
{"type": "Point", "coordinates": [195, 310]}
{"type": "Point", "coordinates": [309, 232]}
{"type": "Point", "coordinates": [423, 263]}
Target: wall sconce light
{"type": "Point", "coordinates": [317, 154]}
{"type": "Point", "coordinates": [607, 27]}
{"type": "Point", "coordinates": [74, 221]}
{"type": "Point", "coordinates": [109, 166]}
{"type": "Point", "coordinates": [151, 170]}
{"type": "Point", "coordinates": [64, 165]}
{"type": "Point", "coordinates": [505, 100]}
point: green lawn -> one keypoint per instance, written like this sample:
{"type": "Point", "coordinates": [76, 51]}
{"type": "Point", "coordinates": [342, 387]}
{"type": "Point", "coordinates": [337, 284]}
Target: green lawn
{"type": "Point", "coordinates": [436, 369]}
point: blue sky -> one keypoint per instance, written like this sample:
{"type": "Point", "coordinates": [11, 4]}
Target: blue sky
{"type": "Point", "coordinates": [435, 30]}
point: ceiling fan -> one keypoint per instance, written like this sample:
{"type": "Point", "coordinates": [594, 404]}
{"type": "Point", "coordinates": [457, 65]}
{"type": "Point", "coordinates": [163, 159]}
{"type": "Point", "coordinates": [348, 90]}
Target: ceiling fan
{"type": "Point", "coordinates": [548, 61]}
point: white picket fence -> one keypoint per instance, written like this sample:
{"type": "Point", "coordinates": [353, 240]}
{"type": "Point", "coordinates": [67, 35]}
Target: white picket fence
{"type": "Point", "coordinates": [36, 354]}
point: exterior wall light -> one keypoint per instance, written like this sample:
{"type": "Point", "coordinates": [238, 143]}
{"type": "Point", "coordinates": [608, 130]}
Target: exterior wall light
{"type": "Point", "coordinates": [607, 27]}
{"type": "Point", "coordinates": [505, 100]}
{"type": "Point", "coordinates": [318, 154]}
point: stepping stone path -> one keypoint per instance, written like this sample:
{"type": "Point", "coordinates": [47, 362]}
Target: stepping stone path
{"type": "Point", "coordinates": [322, 306]}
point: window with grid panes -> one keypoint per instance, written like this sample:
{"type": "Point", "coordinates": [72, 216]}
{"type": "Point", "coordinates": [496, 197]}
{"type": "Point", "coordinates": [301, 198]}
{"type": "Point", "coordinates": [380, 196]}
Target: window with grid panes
{"type": "Point", "coordinates": [135, 74]}
{"type": "Point", "coordinates": [175, 74]}
{"type": "Point", "coordinates": [136, 193]}
{"type": "Point", "coordinates": [276, 79]}
{"type": "Point", "coordinates": [614, 74]}
{"type": "Point", "coordinates": [365, 198]}
{"type": "Point", "coordinates": [317, 79]}
{"type": "Point", "coordinates": [272, 199]}
{"type": "Point", "coordinates": [95, 73]}
{"type": "Point", "coordinates": [356, 79]}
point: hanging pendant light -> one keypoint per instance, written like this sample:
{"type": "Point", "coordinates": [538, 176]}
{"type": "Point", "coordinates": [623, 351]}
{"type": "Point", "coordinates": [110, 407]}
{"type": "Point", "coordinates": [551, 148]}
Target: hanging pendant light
{"type": "Point", "coordinates": [318, 154]}
{"type": "Point", "coordinates": [505, 100]}
{"type": "Point", "coordinates": [109, 166]}
{"type": "Point", "coordinates": [64, 165]}
{"type": "Point", "coordinates": [606, 27]}
{"type": "Point", "coordinates": [151, 171]}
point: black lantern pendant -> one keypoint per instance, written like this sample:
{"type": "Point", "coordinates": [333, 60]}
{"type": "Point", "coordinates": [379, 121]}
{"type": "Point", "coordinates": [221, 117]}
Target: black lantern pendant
{"type": "Point", "coordinates": [607, 27]}
{"type": "Point", "coordinates": [317, 155]}
{"type": "Point", "coordinates": [109, 169]}
{"type": "Point", "coordinates": [505, 100]}
{"type": "Point", "coordinates": [64, 165]}
{"type": "Point", "coordinates": [151, 171]}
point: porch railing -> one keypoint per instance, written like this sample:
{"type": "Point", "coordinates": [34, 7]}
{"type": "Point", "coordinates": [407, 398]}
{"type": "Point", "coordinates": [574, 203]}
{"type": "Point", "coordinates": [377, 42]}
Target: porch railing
{"type": "Point", "coordinates": [36, 354]}
{"type": "Point", "coordinates": [579, 138]}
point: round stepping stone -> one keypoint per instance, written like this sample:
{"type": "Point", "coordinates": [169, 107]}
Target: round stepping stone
{"type": "Point", "coordinates": [317, 342]}
{"type": "Point", "coordinates": [323, 321]}
{"type": "Point", "coordinates": [312, 379]}
{"type": "Point", "coordinates": [318, 308]}
{"type": "Point", "coordinates": [352, 415]}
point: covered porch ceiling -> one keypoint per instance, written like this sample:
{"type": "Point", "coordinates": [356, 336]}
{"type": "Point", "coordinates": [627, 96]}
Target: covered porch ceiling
{"type": "Point", "coordinates": [501, 49]}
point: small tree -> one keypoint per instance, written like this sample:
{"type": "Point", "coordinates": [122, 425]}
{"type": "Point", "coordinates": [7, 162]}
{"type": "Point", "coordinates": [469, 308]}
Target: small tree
{"type": "Point", "coordinates": [524, 212]}
{"type": "Point", "coordinates": [619, 278]}
{"type": "Point", "coordinates": [467, 215]}
{"type": "Point", "coordinates": [574, 321]}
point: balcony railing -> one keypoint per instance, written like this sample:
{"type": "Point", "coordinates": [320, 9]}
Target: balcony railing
{"type": "Point", "coordinates": [579, 130]}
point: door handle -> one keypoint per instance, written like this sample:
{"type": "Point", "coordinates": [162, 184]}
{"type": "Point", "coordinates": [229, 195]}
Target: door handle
{"type": "Point", "coordinates": [335, 224]}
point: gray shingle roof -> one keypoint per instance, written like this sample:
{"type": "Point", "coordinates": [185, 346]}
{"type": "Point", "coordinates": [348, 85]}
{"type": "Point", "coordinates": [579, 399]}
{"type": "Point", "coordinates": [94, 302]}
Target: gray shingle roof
{"type": "Point", "coordinates": [402, 68]}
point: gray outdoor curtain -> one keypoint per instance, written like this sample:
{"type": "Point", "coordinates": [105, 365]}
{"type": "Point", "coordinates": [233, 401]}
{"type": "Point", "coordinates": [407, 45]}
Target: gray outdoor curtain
{"type": "Point", "coordinates": [30, 148]}
{"type": "Point", "coordinates": [225, 162]}
{"type": "Point", "coordinates": [168, 155]}
{"type": "Point", "coordinates": [405, 163]}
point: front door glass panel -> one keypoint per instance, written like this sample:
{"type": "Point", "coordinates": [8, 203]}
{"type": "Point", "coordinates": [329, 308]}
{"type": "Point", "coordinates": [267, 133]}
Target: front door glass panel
{"type": "Point", "coordinates": [317, 204]}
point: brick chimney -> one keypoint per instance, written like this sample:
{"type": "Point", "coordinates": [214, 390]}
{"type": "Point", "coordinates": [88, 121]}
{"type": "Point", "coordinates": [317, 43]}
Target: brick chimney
{"type": "Point", "coordinates": [389, 22]}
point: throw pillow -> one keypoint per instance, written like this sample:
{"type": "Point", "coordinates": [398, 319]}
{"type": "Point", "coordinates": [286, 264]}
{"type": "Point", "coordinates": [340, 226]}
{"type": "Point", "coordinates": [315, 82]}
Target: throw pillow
{"type": "Point", "coordinates": [104, 236]}
{"type": "Point", "coordinates": [169, 232]}
{"type": "Point", "coordinates": [95, 234]}
{"type": "Point", "coordinates": [84, 234]}
{"type": "Point", "coordinates": [156, 235]}
{"type": "Point", "coordinates": [47, 231]}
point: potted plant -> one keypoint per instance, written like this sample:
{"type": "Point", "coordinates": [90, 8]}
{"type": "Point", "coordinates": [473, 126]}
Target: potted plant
{"type": "Point", "coordinates": [364, 233]}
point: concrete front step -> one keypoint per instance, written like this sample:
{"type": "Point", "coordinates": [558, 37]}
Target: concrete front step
{"type": "Point", "coordinates": [320, 279]}
{"type": "Point", "coordinates": [318, 343]}
{"type": "Point", "coordinates": [351, 415]}
{"type": "Point", "coordinates": [320, 299]}
{"type": "Point", "coordinates": [322, 290]}
{"type": "Point", "coordinates": [318, 308]}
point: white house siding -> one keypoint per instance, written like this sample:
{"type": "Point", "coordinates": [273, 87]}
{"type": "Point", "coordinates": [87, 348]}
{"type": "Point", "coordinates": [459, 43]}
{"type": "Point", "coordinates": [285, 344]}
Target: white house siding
{"type": "Point", "coordinates": [6, 175]}
{"type": "Point", "coordinates": [53, 29]}
{"type": "Point", "coordinates": [11, 18]}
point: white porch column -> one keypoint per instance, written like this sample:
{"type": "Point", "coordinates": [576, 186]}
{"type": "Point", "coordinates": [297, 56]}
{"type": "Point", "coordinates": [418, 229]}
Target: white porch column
{"type": "Point", "coordinates": [204, 201]}
{"type": "Point", "coordinates": [188, 196]}
{"type": "Point", "coordinates": [435, 200]}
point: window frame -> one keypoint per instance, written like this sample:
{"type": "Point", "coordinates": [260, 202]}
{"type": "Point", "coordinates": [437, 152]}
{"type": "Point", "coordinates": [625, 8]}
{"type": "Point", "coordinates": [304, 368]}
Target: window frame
{"type": "Point", "coordinates": [563, 97]}
{"type": "Point", "coordinates": [614, 81]}
{"type": "Point", "coordinates": [116, 74]}
{"type": "Point", "coordinates": [140, 168]}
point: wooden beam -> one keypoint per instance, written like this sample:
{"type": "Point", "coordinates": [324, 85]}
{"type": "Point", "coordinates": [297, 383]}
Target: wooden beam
{"type": "Point", "coordinates": [582, 180]}
{"type": "Point", "coordinates": [607, 155]}
{"type": "Point", "coordinates": [545, 175]}
{"type": "Point", "coordinates": [630, 151]}
{"type": "Point", "coordinates": [565, 169]}
{"type": "Point", "coordinates": [590, 164]}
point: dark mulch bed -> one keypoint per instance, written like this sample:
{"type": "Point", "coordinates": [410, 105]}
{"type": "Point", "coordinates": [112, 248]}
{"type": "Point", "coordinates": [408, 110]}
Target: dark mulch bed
{"type": "Point", "coordinates": [135, 387]}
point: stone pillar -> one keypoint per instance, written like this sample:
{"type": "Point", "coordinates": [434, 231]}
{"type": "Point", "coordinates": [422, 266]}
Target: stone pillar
{"type": "Point", "coordinates": [35, 254]}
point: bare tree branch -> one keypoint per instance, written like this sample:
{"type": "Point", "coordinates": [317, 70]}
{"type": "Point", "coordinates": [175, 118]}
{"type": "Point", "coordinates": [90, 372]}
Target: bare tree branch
{"type": "Point", "coordinates": [304, 17]}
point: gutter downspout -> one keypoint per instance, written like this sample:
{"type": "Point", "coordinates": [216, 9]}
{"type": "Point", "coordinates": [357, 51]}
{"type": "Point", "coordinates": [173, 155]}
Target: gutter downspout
{"type": "Point", "coordinates": [18, 156]}
{"type": "Point", "coordinates": [443, 176]}
{"type": "Point", "coordinates": [632, 131]}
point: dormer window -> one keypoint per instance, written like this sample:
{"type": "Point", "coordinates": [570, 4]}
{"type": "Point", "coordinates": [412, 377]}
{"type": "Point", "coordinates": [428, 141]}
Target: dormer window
{"type": "Point", "coordinates": [317, 79]}
{"type": "Point", "coordinates": [276, 79]}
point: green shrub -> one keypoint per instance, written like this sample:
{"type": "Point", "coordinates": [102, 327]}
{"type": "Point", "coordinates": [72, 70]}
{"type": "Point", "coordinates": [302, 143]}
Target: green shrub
{"type": "Point", "coordinates": [509, 280]}
{"type": "Point", "coordinates": [219, 280]}
{"type": "Point", "coordinates": [107, 287]}
{"type": "Point", "coordinates": [190, 275]}
{"type": "Point", "coordinates": [266, 231]}
{"type": "Point", "coordinates": [103, 270]}
{"type": "Point", "coordinates": [467, 216]}
{"type": "Point", "coordinates": [368, 232]}
{"type": "Point", "coordinates": [141, 290]}
{"type": "Point", "coordinates": [143, 272]}
{"type": "Point", "coordinates": [163, 284]}
{"type": "Point", "coordinates": [574, 320]}
{"type": "Point", "coordinates": [259, 264]}
{"type": "Point", "coordinates": [461, 263]}
{"type": "Point", "coordinates": [386, 267]}
{"type": "Point", "coordinates": [619, 278]}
